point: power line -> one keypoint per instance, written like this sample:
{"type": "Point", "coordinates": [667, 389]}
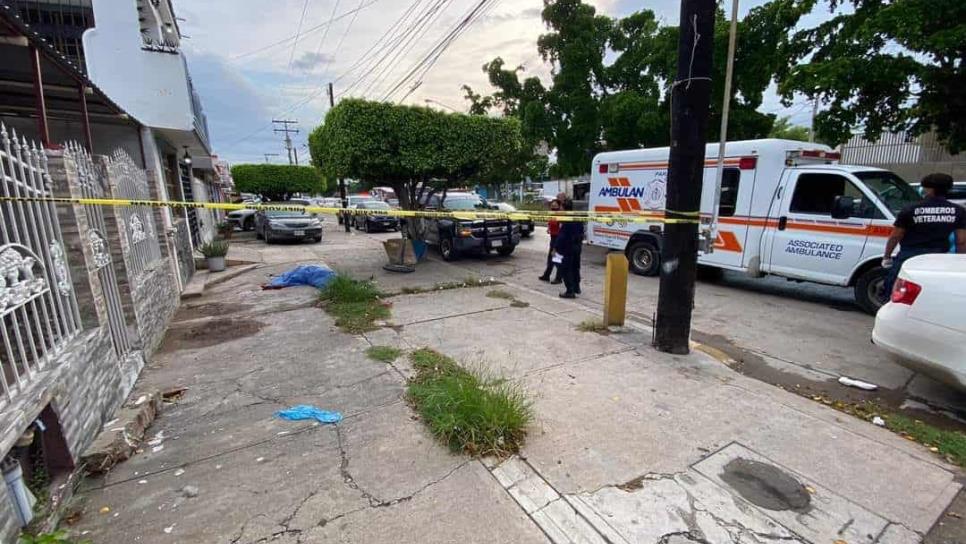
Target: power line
{"type": "Point", "coordinates": [295, 42]}
{"type": "Point", "coordinates": [338, 46]}
{"type": "Point", "coordinates": [436, 52]}
{"type": "Point", "coordinates": [375, 44]}
{"type": "Point", "coordinates": [325, 34]}
{"type": "Point", "coordinates": [309, 30]}
{"type": "Point", "coordinates": [415, 33]}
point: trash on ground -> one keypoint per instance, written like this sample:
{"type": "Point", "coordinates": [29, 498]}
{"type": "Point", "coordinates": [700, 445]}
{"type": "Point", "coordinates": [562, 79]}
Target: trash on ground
{"type": "Point", "coordinates": [190, 491]}
{"type": "Point", "coordinates": [179, 472]}
{"type": "Point", "coordinates": [304, 274]}
{"type": "Point", "coordinates": [304, 411]}
{"type": "Point", "coordinates": [844, 380]}
{"type": "Point", "coordinates": [878, 421]}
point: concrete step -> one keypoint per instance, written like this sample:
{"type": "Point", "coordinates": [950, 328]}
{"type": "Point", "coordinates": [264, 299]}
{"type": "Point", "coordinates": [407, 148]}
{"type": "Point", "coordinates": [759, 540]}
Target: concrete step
{"type": "Point", "coordinates": [196, 286]}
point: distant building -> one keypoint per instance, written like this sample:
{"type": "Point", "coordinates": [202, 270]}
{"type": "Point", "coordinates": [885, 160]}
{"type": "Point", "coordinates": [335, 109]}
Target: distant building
{"type": "Point", "coordinates": [911, 157]}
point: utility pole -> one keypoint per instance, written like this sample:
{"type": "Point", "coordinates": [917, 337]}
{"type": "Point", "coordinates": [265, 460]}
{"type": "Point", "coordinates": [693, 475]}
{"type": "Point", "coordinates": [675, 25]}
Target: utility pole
{"type": "Point", "coordinates": [288, 139]}
{"type": "Point", "coordinates": [267, 155]}
{"type": "Point", "coordinates": [811, 129]}
{"type": "Point", "coordinates": [342, 196]}
{"type": "Point", "coordinates": [690, 102]}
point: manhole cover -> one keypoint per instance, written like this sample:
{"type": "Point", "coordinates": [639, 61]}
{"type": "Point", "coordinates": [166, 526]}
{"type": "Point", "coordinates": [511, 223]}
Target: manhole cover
{"type": "Point", "coordinates": [765, 485]}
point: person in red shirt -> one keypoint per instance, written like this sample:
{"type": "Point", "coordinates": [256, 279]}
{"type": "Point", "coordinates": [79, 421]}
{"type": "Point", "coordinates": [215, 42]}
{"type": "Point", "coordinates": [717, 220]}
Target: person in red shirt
{"type": "Point", "coordinates": [553, 229]}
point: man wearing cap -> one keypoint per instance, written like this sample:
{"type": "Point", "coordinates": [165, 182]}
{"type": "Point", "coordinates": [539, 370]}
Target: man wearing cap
{"type": "Point", "coordinates": [926, 226]}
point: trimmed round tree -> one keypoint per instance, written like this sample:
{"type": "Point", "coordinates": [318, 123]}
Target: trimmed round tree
{"type": "Point", "coordinates": [277, 182]}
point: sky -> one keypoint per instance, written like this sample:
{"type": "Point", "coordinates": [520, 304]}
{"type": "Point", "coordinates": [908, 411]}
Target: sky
{"type": "Point", "coordinates": [245, 81]}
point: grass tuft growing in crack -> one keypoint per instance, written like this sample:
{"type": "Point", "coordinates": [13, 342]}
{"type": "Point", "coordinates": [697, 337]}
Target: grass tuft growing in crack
{"type": "Point", "coordinates": [506, 295]}
{"type": "Point", "coordinates": [356, 305]}
{"type": "Point", "coordinates": [468, 410]}
{"type": "Point", "coordinates": [593, 325]}
{"type": "Point", "coordinates": [383, 354]}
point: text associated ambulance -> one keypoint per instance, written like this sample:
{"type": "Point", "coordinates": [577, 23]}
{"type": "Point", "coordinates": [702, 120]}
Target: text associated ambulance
{"type": "Point", "coordinates": [786, 209]}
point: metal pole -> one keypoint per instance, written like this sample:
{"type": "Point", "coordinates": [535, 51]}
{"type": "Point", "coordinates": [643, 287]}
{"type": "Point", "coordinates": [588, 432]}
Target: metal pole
{"type": "Point", "coordinates": [342, 191]}
{"type": "Point", "coordinates": [723, 142]}
{"type": "Point", "coordinates": [39, 96]}
{"type": "Point", "coordinates": [86, 121]}
{"type": "Point", "coordinates": [690, 102]}
{"type": "Point", "coordinates": [811, 129]}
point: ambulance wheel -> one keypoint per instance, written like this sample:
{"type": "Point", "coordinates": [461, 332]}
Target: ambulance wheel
{"type": "Point", "coordinates": [644, 258]}
{"type": "Point", "coordinates": [870, 292]}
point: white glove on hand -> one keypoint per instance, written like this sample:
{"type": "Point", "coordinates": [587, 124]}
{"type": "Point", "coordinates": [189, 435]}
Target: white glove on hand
{"type": "Point", "coordinates": [887, 262]}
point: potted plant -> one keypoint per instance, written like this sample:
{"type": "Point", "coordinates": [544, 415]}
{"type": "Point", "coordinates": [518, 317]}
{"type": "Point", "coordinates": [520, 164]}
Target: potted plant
{"type": "Point", "coordinates": [215, 252]}
{"type": "Point", "coordinates": [225, 229]}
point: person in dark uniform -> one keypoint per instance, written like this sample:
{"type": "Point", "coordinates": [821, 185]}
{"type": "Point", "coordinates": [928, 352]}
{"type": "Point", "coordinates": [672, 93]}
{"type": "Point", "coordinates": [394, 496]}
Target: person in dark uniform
{"type": "Point", "coordinates": [925, 227]}
{"type": "Point", "coordinates": [569, 243]}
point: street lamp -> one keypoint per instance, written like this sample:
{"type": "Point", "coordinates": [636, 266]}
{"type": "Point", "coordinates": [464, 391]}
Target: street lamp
{"type": "Point", "coordinates": [187, 156]}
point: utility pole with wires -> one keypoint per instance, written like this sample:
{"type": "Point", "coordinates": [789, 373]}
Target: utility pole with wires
{"type": "Point", "coordinates": [342, 193]}
{"type": "Point", "coordinates": [292, 152]}
{"type": "Point", "coordinates": [690, 105]}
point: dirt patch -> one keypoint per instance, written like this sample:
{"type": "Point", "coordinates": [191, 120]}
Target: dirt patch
{"type": "Point", "coordinates": [211, 309]}
{"type": "Point", "coordinates": [209, 333]}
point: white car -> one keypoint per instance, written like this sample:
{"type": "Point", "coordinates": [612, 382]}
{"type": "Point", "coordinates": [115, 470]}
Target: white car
{"type": "Point", "coordinates": [924, 324]}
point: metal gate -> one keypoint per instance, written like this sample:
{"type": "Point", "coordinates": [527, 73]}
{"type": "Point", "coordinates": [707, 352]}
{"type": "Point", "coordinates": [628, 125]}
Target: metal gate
{"type": "Point", "coordinates": [136, 223]}
{"type": "Point", "coordinates": [92, 180]}
{"type": "Point", "coordinates": [38, 308]}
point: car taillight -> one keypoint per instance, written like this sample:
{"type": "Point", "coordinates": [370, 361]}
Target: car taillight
{"type": "Point", "coordinates": [905, 291]}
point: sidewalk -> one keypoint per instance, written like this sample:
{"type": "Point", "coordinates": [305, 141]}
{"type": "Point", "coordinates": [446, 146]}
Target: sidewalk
{"type": "Point", "coordinates": [628, 445]}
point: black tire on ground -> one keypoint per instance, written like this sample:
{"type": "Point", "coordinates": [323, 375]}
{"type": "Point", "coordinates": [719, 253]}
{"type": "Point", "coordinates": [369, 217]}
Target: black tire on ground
{"type": "Point", "coordinates": [447, 250]}
{"type": "Point", "coordinates": [248, 224]}
{"type": "Point", "coordinates": [505, 251]}
{"type": "Point", "coordinates": [525, 234]}
{"type": "Point", "coordinates": [709, 273]}
{"type": "Point", "coordinates": [644, 258]}
{"type": "Point", "coordinates": [317, 239]}
{"type": "Point", "coordinates": [869, 291]}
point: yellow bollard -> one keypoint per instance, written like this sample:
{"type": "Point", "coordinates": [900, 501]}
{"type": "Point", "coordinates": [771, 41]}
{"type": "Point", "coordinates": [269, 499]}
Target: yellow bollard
{"type": "Point", "coordinates": [615, 289]}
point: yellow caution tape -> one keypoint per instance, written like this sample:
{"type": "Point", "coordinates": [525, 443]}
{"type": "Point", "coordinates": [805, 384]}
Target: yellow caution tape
{"type": "Point", "coordinates": [642, 216]}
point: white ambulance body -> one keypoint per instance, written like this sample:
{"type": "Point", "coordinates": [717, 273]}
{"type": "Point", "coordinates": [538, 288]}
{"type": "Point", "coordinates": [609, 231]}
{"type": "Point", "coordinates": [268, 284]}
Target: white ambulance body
{"type": "Point", "coordinates": [787, 208]}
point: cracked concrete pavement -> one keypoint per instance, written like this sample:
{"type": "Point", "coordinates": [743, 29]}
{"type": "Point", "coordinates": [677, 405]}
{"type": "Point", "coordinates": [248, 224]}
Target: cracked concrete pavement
{"type": "Point", "coordinates": [628, 445]}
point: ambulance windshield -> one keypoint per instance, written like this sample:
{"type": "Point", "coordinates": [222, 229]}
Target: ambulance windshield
{"type": "Point", "coordinates": [892, 190]}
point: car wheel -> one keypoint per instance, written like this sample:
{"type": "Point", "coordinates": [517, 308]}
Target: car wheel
{"type": "Point", "coordinates": [644, 258]}
{"type": "Point", "coordinates": [317, 240]}
{"type": "Point", "coordinates": [447, 250]}
{"type": "Point", "coordinates": [248, 224]}
{"type": "Point", "coordinates": [870, 292]}
{"type": "Point", "coordinates": [506, 251]}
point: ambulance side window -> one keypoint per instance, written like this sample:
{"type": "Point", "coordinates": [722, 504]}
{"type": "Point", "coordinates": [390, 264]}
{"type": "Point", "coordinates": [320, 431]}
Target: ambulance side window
{"type": "Point", "coordinates": [730, 179]}
{"type": "Point", "coordinates": [815, 194]}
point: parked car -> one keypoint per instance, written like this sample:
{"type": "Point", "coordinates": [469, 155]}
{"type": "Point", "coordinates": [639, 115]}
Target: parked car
{"type": "Point", "coordinates": [243, 219]}
{"type": "Point", "coordinates": [957, 195]}
{"type": "Point", "coordinates": [923, 326]}
{"type": "Point", "coordinates": [456, 237]}
{"type": "Point", "coordinates": [526, 225]}
{"type": "Point", "coordinates": [294, 224]}
{"type": "Point", "coordinates": [370, 223]}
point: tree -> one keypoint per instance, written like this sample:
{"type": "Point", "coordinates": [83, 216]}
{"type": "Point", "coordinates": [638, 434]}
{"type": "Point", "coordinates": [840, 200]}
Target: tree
{"type": "Point", "coordinates": [415, 150]}
{"type": "Point", "coordinates": [898, 65]}
{"type": "Point", "coordinates": [592, 105]}
{"type": "Point", "coordinates": [784, 129]}
{"type": "Point", "coordinates": [277, 181]}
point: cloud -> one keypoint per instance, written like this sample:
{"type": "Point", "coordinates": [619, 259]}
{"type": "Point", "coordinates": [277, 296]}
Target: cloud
{"type": "Point", "coordinates": [309, 60]}
{"type": "Point", "coordinates": [493, 18]}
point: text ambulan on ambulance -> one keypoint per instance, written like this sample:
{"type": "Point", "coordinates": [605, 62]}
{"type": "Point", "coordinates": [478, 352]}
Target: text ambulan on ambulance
{"type": "Point", "coordinates": [787, 208]}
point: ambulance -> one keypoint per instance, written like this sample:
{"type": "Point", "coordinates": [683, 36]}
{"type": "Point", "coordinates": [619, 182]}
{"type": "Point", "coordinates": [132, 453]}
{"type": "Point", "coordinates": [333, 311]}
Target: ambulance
{"type": "Point", "coordinates": [786, 208]}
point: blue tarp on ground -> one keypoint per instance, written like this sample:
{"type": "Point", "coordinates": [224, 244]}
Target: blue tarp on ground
{"type": "Point", "coordinates": [304, 274]}
{"type": "Point", "coordinates": [304, 411]}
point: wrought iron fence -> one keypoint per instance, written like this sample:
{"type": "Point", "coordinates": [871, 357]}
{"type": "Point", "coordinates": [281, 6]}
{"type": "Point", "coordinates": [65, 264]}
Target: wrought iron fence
{"type": "Point", "coordinates": [92, 182]}
{"type": "Point", "coordinates": [37, 303]}
{"type": "Point", "coordinates": [135, 223]}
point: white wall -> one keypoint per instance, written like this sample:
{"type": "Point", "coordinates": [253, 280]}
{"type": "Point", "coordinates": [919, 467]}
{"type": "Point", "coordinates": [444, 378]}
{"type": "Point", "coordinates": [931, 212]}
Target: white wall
{"type": "Point", "coordinates": [150, 85]}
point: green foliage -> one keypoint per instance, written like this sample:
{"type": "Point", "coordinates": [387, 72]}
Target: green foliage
{"type": "Point", "coordinates": [883, 66]}
{"type": "Point", "coordinates": [215, 248]}
{"type": "Point", "coordinates": [415, 149]}
{"type": "Point", "coordinates": [58, 537]}
{"type": "Point", "coordinates": [384, 354]}
{"type": "Point", "coordinates": [593, 325]}
{"type": "Point", "coordinates": [468, 411]}
{"type": "Point", "coordinates": [784, 129]}
{"type": "Point", "coordinates": [277, 181]}
{"type": "Point", "coordinates": [356, 305]}
{"type": "Point", "coordinates": [593, 106]}
{"type": "Point", "coordinates": [950, 444]}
